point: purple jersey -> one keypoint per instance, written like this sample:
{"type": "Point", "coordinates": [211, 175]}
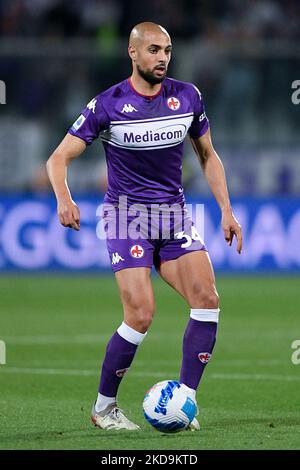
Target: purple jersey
{"type": "Point", "coordinates": [143, 138]}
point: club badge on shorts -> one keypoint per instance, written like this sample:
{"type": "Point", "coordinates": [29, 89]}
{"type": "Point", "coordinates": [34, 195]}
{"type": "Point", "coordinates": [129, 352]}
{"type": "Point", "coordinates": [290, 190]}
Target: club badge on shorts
{"type": "Point", "coordinates": [137, 251]}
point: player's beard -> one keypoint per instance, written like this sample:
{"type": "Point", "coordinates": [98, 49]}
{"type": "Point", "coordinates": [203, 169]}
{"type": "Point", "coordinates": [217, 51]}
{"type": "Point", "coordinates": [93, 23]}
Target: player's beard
{"type": "Point", "coordinates": [149, 76]}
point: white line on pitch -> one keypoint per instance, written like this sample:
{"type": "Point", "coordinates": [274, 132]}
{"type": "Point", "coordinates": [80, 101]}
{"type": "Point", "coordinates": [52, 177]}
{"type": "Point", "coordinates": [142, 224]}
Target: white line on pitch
{"type": "Point", "coordinates": [287, 378]}
{"type": "Point", "coordinates": [78, 372]}
{"type": "Point", "coordinates": [70, 372]}
{"type": "Point", "coordinates": [68, 339]}
{"type": "Point", "coordinates": [229, 362]}
{"type": "Point", "coordinates": [40, 371]}
{"type": "Point", "coordinates": [56, 339]}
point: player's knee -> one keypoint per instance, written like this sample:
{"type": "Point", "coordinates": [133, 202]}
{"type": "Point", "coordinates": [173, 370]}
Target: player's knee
{"type": "Point", "coordinates": [204, 297]}
{"type": "Point", "coordinates": [144, 317]}
{"type": "Point", "coordinates": [140, 316]}
{"type": "Point", "coordinates": [139, 309]}
{"type": "Point", "coordinates": [212, 299]}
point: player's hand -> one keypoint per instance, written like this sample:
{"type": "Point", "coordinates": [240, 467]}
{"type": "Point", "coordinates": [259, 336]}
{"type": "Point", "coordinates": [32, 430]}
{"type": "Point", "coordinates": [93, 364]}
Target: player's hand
{"type": "Point", "coordinates": [232, 228]}
{"type": "Point", "coordinates": [68, 214]}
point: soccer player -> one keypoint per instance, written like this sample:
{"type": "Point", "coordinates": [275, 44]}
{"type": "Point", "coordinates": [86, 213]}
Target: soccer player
{"type": "Point", "coordinates": [142, 122]}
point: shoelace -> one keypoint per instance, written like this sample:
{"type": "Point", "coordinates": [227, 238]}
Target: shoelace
{"type": "Point", "coordinates": [116, 412]}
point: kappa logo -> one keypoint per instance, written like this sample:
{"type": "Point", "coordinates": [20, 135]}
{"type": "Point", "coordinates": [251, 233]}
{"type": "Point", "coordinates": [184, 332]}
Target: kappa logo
{"type": "Point", "coordinates": [121, 372]}
{"type": "Point", "coordinates": [116, 258]}
{"type": "Point", "coordinates": [137, 251]}
{"type": "Point", "coordinates": [173, 103]}
{"type": "Point", "coordinates": [202, 116]}
{"type": "Point", "coordinates": [128, 108]}
{"type": "Point", "coordinates": [92, 105]}
{"type": "Point", "coordinates": [204, 357]}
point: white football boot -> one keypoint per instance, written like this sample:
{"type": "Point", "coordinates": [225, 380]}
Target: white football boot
{"type": "Point", "coordinates": [194, 425]}
{"type": "Point", "coordinates": [112, 418]}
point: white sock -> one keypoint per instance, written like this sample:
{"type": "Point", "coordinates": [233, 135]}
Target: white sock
{"type": "Point", "coordinates": [131, 335]}
{"type": "Point", "coordinates": [103, 402]}
{"type": "Point", "coordinates": [205, 314]}
{"type": "Point", "coordinates": [191, 391]}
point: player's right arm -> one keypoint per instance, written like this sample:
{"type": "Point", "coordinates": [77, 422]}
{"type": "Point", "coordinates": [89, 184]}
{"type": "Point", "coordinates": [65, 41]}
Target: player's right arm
{"type": "Point", "coordinates": [84, 131]}
{"type": "Point", "coordinates": [69, 148]}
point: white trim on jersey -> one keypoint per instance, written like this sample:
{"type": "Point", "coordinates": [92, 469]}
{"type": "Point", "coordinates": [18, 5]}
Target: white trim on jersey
{"type": "Point", "coordinates": [176, 116]}
{"type": "Point", "coordinates": [198, 91]}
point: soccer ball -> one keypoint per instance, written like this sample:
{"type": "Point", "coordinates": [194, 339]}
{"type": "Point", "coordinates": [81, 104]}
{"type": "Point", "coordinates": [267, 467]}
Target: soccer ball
{"type": "Point", "coordinates": [169, 407]}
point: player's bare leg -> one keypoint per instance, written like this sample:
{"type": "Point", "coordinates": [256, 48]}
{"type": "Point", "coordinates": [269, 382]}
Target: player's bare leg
{"type": "Point", "coordinates": [138, 305]}
{"type": "Point", "coordinates": [137, 297]}
{"type": "Point", "coordinates": [192, 276]}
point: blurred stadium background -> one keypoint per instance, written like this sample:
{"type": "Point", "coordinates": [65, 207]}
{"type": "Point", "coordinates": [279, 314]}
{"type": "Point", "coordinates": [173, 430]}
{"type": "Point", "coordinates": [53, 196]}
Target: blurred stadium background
{"type": "Point", "coordinates": [55, 56]}
{"type": "Point", "coordinates": [244, 56]}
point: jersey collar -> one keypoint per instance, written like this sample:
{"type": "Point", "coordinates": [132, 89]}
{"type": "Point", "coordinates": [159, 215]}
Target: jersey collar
{"type": "Point", "coordinates": [149, 97]}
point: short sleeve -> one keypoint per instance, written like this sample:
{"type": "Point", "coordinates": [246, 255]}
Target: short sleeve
{"type": "Point", "coordinates": [92, 120]}
{"type": "Point", "coordinates": [200, 122]}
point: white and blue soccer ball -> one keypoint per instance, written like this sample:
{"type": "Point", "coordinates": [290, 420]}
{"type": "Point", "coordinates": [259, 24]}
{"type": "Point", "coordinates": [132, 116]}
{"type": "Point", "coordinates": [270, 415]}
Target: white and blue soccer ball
{"type": "Point", "coordinates": [169, 407]}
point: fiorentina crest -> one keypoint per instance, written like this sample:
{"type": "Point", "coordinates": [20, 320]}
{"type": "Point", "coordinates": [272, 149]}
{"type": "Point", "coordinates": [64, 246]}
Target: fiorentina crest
{"type": "Point", "coordinates": [137, 251]}
{"type": "Point", "coordinates": [204, 357]}
{"type": "Point", "coordinates": [121, 372]}
{"type": "Point", "coordinates": [173, 103]}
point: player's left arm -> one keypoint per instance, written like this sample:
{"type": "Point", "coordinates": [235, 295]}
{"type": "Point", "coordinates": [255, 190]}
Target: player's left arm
{"type": "Point", "coordinates": [215, 175]}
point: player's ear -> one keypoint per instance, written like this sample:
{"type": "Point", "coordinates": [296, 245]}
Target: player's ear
{"type": "Point", "coordinates": [132, 52]}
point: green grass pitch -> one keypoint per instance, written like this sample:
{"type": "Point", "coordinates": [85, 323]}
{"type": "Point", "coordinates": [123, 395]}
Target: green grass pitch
{"type": "Point", "coordinates": [56, 329]}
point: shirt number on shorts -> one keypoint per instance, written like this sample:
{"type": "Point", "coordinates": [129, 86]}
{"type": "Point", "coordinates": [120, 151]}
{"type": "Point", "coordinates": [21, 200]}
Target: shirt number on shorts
{"type": "Point", "coordinates": [189, 238]}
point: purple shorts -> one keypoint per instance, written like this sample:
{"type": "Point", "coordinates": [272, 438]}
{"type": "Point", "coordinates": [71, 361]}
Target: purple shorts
{"type": "Point", "coordinates": [146, 239]}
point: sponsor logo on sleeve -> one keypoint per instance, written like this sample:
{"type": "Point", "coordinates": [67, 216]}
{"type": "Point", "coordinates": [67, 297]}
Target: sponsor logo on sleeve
{"type": "Point", "coordinates": [78, 123]}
